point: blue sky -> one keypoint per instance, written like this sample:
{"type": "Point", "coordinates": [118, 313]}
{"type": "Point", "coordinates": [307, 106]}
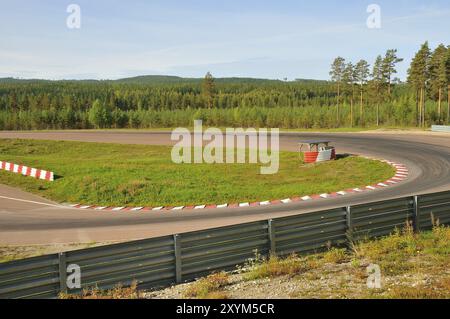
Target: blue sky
{"type": "Point", "coordinates": [268, 39]}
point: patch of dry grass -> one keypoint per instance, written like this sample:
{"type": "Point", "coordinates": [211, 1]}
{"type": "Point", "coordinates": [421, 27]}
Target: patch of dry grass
{"type": "Point", "coordinates": [208, 287]}
{"type": "Point", "coordinates": [118, 292]}
{"type": "Point", "coordinates": [276, 266]}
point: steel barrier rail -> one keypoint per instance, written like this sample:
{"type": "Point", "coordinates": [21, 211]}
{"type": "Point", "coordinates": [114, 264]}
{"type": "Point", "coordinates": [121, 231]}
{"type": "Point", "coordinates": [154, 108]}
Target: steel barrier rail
{"type": "Point", "coordinates": [440, 128]}
{"type": "Point", "coordinates": [162, 261]}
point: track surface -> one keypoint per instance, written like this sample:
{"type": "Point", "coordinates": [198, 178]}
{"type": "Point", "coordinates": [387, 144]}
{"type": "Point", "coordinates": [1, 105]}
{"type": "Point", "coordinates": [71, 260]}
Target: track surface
{"type": "Point", "coordinates": [29, 219]}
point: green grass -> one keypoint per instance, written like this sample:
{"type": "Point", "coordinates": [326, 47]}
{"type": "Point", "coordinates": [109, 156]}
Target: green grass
{"type": "Point", "coordinates": [140, 175]}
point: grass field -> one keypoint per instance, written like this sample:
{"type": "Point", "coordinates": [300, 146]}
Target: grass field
{"type": "Point", "coordinates": [140, 175]}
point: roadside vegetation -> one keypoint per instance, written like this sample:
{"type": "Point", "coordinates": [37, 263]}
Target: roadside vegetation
{"type": "Point", "coordinates": [413, 265]}
{"type": "Point", "coordinates": [140, 175]}
{"type": "Point", "coordinates": [118, 292]}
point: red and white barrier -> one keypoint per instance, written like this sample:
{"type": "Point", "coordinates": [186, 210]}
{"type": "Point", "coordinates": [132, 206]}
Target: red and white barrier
{"type": "Point", "coordinates": [320, 156]}
{"type": "Point", "coordinates": [27, 171]}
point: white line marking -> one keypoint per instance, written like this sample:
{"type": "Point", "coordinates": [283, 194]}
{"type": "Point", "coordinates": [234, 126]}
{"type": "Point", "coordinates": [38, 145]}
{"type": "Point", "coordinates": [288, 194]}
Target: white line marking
{"type": "Point", "coordinates": [136, 209]}
{"type": "Point", "coordinates": [117, 209]}
{"type": "Point", "coordinates": [222, 206]}
{"type": "Point", "coordinates": [370, 187]}
{"type": "Point", "coordinates": [32, 202]}
{"type": "Point", "coordinates": [244, 204]}
{"type": "Point", "coordinates": [178, 208]}
{"type": "Point", "coordinates": [324, 195]}
{"type": "Point", "coordinates": [101, 208]}
{"type": "Point", "coordinates": [158, 208]}
{"type": "Point", "coordinates": [305, 198]}
{"type": "Point", "coordinates": [342, 193]}
{"type": "Point", "coordinates": [200, 207]}
{"type": "Point", "coordinates": [286, 201]}
{"type": "Point", "coordinates": [265, 203]}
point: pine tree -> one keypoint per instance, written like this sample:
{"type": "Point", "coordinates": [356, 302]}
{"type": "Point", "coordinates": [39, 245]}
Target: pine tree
{"type": "Point", "coordinates": [100, 115]}
{"type": "Point", "coordinates": [389, 67]}
{"type": "Point", "coordinates": [209, 90]}
{"type": "Point", "coordinates": [362, 73]}
{"type": "Point", "coordinates": [447, 68]}
{"type": "Point", "coordinates": [438, 75]}
{"type": "Point", "coordinates": [418, 77]}
{"type": "Point", "coordinates": [377, 83]}
{"type": "Point", "coordinates": [349, 79]}
{"type": "Point", "coordinates": [337, 73]}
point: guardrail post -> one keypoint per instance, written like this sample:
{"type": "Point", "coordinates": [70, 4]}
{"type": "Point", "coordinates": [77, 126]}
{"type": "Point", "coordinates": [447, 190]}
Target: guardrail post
{"type": "Point", "coordinates": [349, 233]}
{"type": "Point", "coordinates": [177, 250]}
{"type": "Point", "coordinates": [62, 265]}
{"type": "Point", "coordinates": [416, 214]}
{"type": "Point", "coordinates": [272, 243]}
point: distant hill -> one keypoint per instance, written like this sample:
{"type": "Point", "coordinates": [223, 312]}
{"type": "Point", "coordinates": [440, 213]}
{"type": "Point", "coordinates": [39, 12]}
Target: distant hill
{"type": "Point", "coordinates": [144, 79]}
{"type": "Point", "coordinates": [163, 79]}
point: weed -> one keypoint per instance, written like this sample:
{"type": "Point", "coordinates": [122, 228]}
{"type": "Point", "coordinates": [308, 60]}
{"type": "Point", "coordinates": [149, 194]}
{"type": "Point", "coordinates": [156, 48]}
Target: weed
{"type": "Point", "coordinates": [118, 292]}
{"type": "Point", "coordinates": [208, 287]}
{"type": "Point", "coordinates": [276, 266]}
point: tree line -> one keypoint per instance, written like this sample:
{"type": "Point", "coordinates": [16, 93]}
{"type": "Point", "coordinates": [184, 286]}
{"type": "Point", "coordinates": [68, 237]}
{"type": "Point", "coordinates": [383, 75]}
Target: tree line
{"type": "Point", "coordinates": [428, 80]}
{"type": "Point", "coordinates": [359, 94]}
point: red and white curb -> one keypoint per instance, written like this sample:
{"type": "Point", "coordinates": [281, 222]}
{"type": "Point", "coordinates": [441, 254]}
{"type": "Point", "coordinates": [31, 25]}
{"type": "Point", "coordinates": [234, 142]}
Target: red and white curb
{"type": "Point", "coordinates": [27, 171]}
{"type": "Point", "coordinates": [400, 175]}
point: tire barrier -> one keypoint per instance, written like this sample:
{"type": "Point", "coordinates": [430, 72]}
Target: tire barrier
{"type": "Point", "coordinates": [321, 156]}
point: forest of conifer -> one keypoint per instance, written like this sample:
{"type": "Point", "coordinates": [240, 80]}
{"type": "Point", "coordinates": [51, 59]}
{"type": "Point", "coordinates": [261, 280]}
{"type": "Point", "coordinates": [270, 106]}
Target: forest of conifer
{"type": "Point", "coordinates": [358, 94]}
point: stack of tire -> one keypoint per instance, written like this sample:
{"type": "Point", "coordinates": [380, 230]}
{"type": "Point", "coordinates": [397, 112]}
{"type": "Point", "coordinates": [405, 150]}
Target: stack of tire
{"type": "Point", "coordinates": [324, 154]}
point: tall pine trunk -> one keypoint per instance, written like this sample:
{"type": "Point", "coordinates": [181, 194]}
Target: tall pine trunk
{"type": "Point", "coordinates": [338, 101]}
{"type": "Point", "coordinates": [351, 112]}
{"type": "Point", "coordinates": [423, 107]}
{"type": "Point", "coordinates": [418, 118]}
{"type": "Point", "coordinates": [439, 105]}
{"type": "Point", "coordinates": [448, 104]}
{"type": "Point", "coordinates": [351, 105]}
{"type": "Point", "coordinates": [361, 115]}
{"type": "Point", "coordinates": [420, 108]}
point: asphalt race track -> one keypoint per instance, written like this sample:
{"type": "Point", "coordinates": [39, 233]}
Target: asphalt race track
{"type": "Point", "coordinates": [29, 219]}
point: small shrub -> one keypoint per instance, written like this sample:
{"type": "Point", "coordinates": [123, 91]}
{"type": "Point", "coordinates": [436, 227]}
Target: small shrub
{"type": "Point", "coordinates": [276, 266]}
{"type": "Point", "coordinates": [118, 292]}
{"type": "Point", "coordinates": [419, 292]}
{"type": "Point", "coordinates": [208, 287]}
{"type": "Point", "coordinates": [335, 255]}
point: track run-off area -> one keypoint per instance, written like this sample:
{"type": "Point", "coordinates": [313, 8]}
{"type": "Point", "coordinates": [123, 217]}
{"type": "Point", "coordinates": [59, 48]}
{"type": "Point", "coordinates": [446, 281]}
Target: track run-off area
{"type": "Point", "coordinates": [30, 219]}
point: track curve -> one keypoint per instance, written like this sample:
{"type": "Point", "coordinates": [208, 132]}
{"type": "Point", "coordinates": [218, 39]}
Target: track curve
{"type": "Point", "coordinates": [29, 219]}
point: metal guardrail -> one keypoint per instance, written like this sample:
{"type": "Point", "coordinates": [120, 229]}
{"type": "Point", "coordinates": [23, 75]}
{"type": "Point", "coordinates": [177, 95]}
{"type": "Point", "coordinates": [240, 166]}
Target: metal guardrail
{"type": "Point", "coordinates": [440, 128]}
{"type": "Point", "coordinates": [159, 262]}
